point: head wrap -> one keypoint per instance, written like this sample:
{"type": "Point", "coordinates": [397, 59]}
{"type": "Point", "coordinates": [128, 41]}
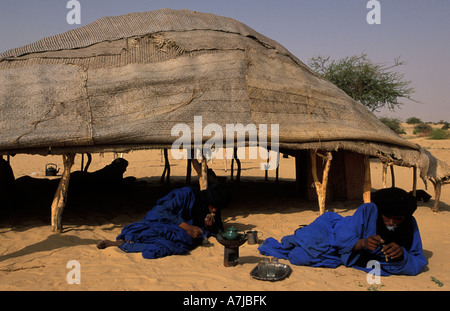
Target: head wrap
{"type": "Point", "coordinates": [394, 202]}
{"type": "Point", "coordinates": [217, 195]}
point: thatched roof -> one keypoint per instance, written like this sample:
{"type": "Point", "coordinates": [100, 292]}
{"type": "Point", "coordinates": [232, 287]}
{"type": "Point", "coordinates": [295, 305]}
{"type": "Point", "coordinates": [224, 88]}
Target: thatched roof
{"type": "Point", "coordinates": [122, 83]}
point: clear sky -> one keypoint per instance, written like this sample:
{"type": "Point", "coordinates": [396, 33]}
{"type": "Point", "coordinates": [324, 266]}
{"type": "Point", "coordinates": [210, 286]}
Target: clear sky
{"type": "Point", "coordinates": [416, 30]}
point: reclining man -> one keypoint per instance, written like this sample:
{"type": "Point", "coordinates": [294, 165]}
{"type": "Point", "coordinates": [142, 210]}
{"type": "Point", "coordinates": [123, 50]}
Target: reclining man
{"type": "Point", "coordinates": [384, 230]}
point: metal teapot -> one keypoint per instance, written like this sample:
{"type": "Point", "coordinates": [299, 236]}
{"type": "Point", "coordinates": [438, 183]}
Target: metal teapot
{"type": "Point", "coordinates": [51, 169]}
{"type": "Point", "coordinates": [231, 234]}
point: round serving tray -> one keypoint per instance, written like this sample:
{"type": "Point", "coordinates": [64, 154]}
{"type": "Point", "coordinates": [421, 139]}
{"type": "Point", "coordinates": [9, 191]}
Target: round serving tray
{"type": "Point", "coordinates": [281, 272]}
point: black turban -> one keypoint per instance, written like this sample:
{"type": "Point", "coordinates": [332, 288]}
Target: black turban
{"type": "Point", "coordinates": [394, 202]}
{"type": "Point", "coordinates": [218, 195]}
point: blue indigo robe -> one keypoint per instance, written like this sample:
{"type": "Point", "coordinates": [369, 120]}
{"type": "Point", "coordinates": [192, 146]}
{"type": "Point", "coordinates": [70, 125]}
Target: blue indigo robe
{"type": "Point", "coordinates": [329, 240]}
{"type": "Point", "coordinates": [158, 234]}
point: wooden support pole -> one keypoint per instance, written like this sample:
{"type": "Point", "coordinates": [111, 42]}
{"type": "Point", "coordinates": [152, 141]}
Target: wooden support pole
{"type": "Point", "coordinates": [277, 169]}
{"type": "Point", "coordinates": [202, 171]}
{"type": "Point", "coordinates": [437, 195]}
{"type": "Point", "coordinates": [167, 165]}
{"type": "Point", "coordinates": [60, 199]}
{"type": "Point", "coordinates": [414, 180]}
{"type": "Point", "coordinates": [321, 187]}
{"type": "Point", "coordinates": [384, 175]}
{"type": "Point", "coordinates": [197, 167]}
{"type": "Point", "coordinates": [88, 163]}
{"type": "Point", "coordinates": [238, 162]}
{"type": "Point", "coordinates": [367, 181]}
{"type": "Point", "coordinates": [166, 172]}
{"type": "Point", "coordinates": [232, 169]}
{"type": "Point", "coordinates": [188, 172]}
{"type": "Point", "coordinates": [392, 175]}
{"type": "Point", "coordinates": [266, 172]}
{"type": "Point", "coordinates": [204, 177]}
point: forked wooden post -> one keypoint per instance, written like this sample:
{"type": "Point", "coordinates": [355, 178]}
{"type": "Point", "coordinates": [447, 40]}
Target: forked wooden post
{"type": "Point", "coordinates": [202, 171]}
{"type": "Point", "coordinates": [383, 178]}
{"type": "Point", "coordinates": [60, 199]}
{"type": "Point", "coordinates": [437, 195]}
{"type": "Point", "coordinates": [321, 187]}
{"type": "Point", "coordinates": [367, 181]}
{"type": "Point", "coordinates": [204, 177]}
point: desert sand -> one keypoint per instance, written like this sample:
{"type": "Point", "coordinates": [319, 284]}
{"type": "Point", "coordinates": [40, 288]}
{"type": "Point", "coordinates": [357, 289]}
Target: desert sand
{"type": "Point", "coordinates": [32, 257]}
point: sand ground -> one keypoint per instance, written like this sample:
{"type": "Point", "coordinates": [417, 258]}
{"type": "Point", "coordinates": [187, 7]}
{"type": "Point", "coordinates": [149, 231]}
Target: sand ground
{"type": "Point", "coordinates": [34, 258]}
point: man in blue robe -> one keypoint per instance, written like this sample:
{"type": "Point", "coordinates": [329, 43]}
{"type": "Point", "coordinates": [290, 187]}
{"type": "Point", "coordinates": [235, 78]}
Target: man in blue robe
{"type": "Point", "coordinates": [384, 231]}
{"type": "Point", "coordinates": [176, 224]}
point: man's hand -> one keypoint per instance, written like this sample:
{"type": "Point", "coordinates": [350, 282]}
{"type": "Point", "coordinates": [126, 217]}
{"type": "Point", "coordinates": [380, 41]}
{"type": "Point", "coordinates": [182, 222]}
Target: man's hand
{"type": "Point", "coordinates": [373, 241]}
{"type": "Point", "coordinates": [393, 250]}
{"type": "Point", "coordinates": [193, 231]}
{"type": "Point", "coordinates": [209, 220]}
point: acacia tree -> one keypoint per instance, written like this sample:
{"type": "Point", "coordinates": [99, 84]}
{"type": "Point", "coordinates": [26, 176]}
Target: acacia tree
{"type": "Point", "coordinates": [373, 85]}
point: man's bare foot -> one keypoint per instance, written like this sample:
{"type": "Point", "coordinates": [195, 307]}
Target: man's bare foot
{"type": "Point", "coordinates": [107, 243]}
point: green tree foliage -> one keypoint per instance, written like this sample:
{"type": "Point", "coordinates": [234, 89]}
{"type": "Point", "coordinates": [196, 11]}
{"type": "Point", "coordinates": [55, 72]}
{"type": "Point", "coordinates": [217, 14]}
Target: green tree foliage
{"type": "Point", "coordinates": [373, 85]}
{"type": "Point", "coordinates": [422, 129]}
{"type": "Point", "coordinates": [439, 134]}
{"type": "Point", "coordinates": [393, 124]}
{"type": "Point", "coordinates": [413, 120]}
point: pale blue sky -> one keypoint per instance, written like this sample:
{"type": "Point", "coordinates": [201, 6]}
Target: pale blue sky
{"type": "Point", "coordinates": [416, 30]}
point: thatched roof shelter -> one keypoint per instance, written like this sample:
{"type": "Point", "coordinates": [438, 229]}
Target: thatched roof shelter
{"type": "Point", "coordinates": [122, 83]}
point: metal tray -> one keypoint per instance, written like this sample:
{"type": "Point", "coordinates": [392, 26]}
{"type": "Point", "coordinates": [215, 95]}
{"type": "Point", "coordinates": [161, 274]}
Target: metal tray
{"type": "Point", "coordinates": [281, 272]}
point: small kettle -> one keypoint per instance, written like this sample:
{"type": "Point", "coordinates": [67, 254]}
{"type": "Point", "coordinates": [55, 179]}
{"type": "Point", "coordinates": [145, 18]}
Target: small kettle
{"type": "Point", "coordinates": [231, 234]}
{"type": "Point", "coordinates": [50, 169]}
